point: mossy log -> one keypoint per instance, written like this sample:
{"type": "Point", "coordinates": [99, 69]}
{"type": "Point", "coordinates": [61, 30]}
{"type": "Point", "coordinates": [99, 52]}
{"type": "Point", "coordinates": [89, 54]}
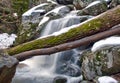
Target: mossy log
{"type": "Point", "coordinates": [98, 24]}
{"type": "Point", "coordinates": [67, 46]}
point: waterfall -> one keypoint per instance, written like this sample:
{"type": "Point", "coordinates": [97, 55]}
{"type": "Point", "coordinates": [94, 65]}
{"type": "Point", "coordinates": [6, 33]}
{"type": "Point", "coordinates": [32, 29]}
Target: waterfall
{"type": "Point", "coordinates": [43, 69]}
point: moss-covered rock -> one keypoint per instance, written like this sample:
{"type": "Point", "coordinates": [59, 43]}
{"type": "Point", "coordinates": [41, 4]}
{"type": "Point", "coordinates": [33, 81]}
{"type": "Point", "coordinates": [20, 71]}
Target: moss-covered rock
{"type": "Point", "coordinates": [102, 62]}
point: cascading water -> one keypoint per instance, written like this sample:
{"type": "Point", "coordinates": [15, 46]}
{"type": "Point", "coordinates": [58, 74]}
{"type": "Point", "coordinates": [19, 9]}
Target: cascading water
{"type": "Point", "coordinates": [44, 69]}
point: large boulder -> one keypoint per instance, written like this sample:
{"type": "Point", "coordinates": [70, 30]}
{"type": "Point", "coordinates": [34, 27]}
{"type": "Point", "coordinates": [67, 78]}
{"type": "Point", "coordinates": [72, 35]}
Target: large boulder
{"type": "Point", "coordinates": [102, 62]}
{"type": "Point", "coordinates": [7, 67]}
{"type": "Point", "coordinates": [94, 8]}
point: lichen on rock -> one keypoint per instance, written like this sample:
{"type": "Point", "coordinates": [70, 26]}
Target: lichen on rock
{"type": "Point", "coordinates": [102, 62]}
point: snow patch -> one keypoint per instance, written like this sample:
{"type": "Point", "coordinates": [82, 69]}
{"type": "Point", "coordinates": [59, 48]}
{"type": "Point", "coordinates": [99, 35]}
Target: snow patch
{"type": "Point", "coordinates": [52, 1]}
{"type": "Point", "coordinates": [106, 42]}
{"type": "Point", "coordinates": [28, 13]}
{"type": "Point", "coordinates": [58, 10]}
{"type": "Point", "coordinates": [107, 79]}
{"type": "Point", "coordinates": [45, 19]}
{"type": "Point", "coordinates": [93, 3]}
{"type": "Point", "coordinates": [6, 40]}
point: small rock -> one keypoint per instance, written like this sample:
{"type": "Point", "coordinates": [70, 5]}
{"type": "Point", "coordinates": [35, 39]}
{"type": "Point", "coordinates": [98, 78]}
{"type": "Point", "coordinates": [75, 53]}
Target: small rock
{"type": "Point", "coordinates": [60, 79]}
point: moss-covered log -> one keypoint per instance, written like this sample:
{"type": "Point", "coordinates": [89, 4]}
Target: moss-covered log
{"type": "Point", "coordinates": [67, 46]}
{"type": "Point", "coordinates": [98, 24]}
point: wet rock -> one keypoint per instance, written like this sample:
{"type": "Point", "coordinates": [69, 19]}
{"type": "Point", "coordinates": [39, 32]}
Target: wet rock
{"type": "Point", "coordinates": [103, 62]}
{"type": "Point", "coordinates": [7, 67]}
{"type": "Point", "coordinates": [60, 79]}
{"type": "Point", "coordinates": [65, 2]}
{"type": "Point", "coordinates": [94, 8]}
{"type": "Point", "coordinates": [66, 64]}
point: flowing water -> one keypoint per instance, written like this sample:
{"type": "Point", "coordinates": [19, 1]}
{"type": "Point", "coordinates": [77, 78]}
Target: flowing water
{"type": "Point", "coordinates": [44, 69]}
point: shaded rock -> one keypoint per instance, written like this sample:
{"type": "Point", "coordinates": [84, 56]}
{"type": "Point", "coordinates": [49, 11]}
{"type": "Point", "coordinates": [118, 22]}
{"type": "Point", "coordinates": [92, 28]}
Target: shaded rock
{"type": "Point", "coordinates": [7, 67]}
{"type": "Point", "coordinates": [60, 79]}
{"type": "Point", "coordinates": [65, 2]}
{"type": "Point", "coordinates": [103, 62]}
{"type": "Point", "coordinates": [94, 8]}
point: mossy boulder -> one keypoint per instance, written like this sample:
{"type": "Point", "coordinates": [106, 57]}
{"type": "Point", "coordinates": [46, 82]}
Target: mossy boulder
{"type": "Point", "coordinates": [102, 62]}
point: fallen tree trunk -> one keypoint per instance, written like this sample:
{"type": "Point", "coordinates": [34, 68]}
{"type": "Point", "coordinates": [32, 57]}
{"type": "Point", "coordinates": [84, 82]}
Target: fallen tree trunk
{"type": "Point", "coordinates": [67, 46]}
{"type": "Point", "coordinates": [98, 24]}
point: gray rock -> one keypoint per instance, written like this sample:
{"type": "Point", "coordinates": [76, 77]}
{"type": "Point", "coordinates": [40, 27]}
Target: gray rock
{"type": "Point", "coordinates": [103, 62]}
{"type": "Point", "coordinates": [96, 8]}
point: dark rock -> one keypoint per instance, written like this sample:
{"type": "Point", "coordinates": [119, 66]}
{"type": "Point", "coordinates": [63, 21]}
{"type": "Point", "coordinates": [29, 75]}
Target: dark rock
{"type": "Point", "coordinates": [60, 79]}
{"type": "Point", "coordinates": [65, 2]}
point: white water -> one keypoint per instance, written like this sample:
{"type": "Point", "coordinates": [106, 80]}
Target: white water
{"type": "Point", "coordinates": [43, 69]}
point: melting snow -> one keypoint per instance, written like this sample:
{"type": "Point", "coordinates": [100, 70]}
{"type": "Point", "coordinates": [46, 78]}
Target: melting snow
{"type": "Point", "coordinates": [106, 42]}
{"type": "Point", "coordinates": [107, 79]}
{"type": "Point", "coordinates": [93, 3]}
{"type": "Point", "coordinates": [34, 9]}
{"type": "Point", "coordinates": [6, 40]}
{"type": "Point", "coordinates": [52, 1]}
{"type": "Point", "coordinates": [57, 10]}
{"type": "Point", "coordinates": [45, 19]}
